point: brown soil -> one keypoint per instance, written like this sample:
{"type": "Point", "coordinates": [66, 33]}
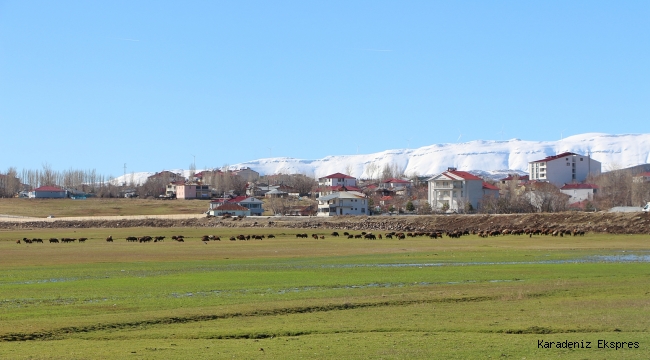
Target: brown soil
{"type": "Point", "coordinates": [602, 222]}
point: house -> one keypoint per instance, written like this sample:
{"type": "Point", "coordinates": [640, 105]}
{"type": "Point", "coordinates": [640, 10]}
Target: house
{"type": "Point", "coordinates": [170, 189]}
{"type": "Point", "coordinates": [192, 191]}
{"type": "Point", "coordinates": [167, 177]}
{"type": "Point", "coordinates": [259, 189]}
{"type": "Point", "coordinates": [48, 192]}
{"type": "Point", "coordinates": [336, 182]}
{"type": "Point", "coordinates": [564, 168]}
{"type": "Point", "coordinates": [456, 190]}
{"type": "Point", "coordinates": [579, 192]}
{"type": "Point", "coordinates": [276, 193]}
{"type": "Point", "coordinates": [229, 209]}
{"type": "Point", "coordinates": [643, 177]}
{"type": "Point", "coordinates": [342, 203]}
{"type": "Point", "coordinates": [518, 179]}
{"type": "Point", "coordinates": [255, 206]}
{"type": "Point", "coordinates": [247, 174]}
{"type": "Point", "coordinates": [400, 186]}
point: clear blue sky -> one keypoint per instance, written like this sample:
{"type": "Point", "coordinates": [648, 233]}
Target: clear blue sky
{"type": "Point", "coordinates": [94, 85]}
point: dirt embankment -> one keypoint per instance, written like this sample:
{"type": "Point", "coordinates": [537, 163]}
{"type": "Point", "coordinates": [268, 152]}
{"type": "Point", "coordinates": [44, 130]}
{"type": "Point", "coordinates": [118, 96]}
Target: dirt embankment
{"type": "Point", "coordinates": [615, 223]}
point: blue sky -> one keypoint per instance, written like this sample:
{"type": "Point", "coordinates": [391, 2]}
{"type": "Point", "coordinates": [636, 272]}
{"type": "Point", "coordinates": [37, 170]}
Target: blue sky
{"type": "Point", "coordinates": [155, 84]}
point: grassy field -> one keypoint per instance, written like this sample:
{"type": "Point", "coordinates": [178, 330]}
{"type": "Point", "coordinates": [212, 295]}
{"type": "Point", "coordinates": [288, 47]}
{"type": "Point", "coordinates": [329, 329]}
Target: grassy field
{"type": "Point", "coordinates": [99, 207]}
{"type": "Point", "coordinates": [291, 298]}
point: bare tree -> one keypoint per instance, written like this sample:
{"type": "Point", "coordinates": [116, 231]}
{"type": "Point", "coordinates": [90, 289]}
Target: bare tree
{"type": "Point", "coordinates": [371, 171]}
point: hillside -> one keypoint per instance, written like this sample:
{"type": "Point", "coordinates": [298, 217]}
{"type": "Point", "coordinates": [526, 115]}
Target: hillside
{"type": "Point", "coordinates": [486, 157]}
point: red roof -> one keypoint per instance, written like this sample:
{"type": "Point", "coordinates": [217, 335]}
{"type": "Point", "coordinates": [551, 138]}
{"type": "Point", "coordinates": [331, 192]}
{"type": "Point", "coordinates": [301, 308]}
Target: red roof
{"type": "Point", "coordinates": [396, 181]}
{"type": "Point", "coordinates": [489, 186]}
{"type": "Point", "coordinates": [48, 188]}
{"type": "Point", "coordinates": [558, 156]}
{"type": "Point", "coordinates": [644, 174]}
{"type": "Point", "coordinates": [386, 198]}
{"type": "Point", "coordinates": [338, 176]}
{"type": "Point", "coordinates": [238, 199]}
{"type": "Point", "coordinates": [578, 186]}
{"type": "Point", "coordinates": [464, 175]}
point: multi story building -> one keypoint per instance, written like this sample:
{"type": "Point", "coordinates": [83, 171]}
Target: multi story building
{"type": "Point", "coordinates": [564, 168]}
{"type": "Point", "coordinates": [455, 190]}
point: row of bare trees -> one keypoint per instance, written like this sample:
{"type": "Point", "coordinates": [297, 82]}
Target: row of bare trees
{"type": "Point", "coordinates": [12, 182]}
{"type": "Point", "coordinates": [619, 188]}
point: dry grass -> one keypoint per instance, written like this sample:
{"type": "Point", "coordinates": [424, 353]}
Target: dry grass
{"type": "Point", "coordinates": [99, 207]}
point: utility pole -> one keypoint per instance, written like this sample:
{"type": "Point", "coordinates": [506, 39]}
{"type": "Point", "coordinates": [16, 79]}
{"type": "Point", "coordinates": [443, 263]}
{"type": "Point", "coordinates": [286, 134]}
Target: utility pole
{"type": "Point", "coordinates": [124, 178]}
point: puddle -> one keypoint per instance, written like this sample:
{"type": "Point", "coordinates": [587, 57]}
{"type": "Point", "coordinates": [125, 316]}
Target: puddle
{"type": "Point", "coordinates": [326, 288]}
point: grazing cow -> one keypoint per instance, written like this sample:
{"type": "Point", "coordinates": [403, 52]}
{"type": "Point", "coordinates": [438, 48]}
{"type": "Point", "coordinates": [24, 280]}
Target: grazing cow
{"type": "Point", "coordinates": [346, 233]}
{"type": "Point", "coordinates": [81, 240]}
{"type": "Point", "coordinates": [335, 234]}
{"type": "Point", "coordinates": [55, 240]}
{"type": "Point", "coordinates": [160, 238]}
{"type": "Point", "coordinates": [271, 236]}
{"type": "Point", "coordinates": [350, 236]}
{"type": "Point", "coordinates": [379, 236]}
{"type": "Point", "coordinates": [18, 241]}
{"type": "Point", "coordinates": [314, 236]}
{"type": "Point", "coordinates": [37, 240]}
{"type": "Point", "coordinates": [232, 238]}
{"type": "Point", "coordinates": [205, 238]}
{"type": "Point", "coordinates": [129, 239]}
{"type": "Point", "coordinates": [108, 239]}
{"type": "Point", "coordinates": [241, 237]}
{"type": "Point", "coordinates": [370, 236]}
{"type": "Point", "coordinates": [257, 237]}
{"type": "Point", "coordinates": [389, 236]}
{"type": "Point", "coordinates": [322, 237]}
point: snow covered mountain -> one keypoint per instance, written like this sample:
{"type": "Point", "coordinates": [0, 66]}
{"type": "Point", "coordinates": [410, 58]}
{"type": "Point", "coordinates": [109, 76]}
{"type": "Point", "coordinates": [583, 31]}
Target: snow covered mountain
{"type": "Point", "coordinates": [486, 157]}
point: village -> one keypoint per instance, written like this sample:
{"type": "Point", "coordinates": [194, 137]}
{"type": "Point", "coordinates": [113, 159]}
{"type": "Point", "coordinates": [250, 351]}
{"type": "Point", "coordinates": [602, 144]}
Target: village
{"type": "Point", "coordinates": [566, 181]}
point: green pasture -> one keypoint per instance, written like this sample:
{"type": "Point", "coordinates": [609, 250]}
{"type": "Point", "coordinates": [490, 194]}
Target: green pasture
{"type": "Point", "coordinates": [291, 298]}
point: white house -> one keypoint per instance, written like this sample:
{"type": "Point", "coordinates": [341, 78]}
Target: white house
{"type": "Point", "coordinates": [336, 182]}
{"type": "Point", "coordinates": [563, 168]}
{"type": "Point", "coordinates": [342, 203]}
{"type": "Point", "coordinates": [579, 192]}
{"type": "Point", "coordinates": [455, 189]}
{"type": "Point", "coordinates": [229, 209]}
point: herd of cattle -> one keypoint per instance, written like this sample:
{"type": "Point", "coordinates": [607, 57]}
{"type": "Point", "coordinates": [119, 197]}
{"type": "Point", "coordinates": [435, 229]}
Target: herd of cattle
{"type": "Point", "coordinates": [363, 235]}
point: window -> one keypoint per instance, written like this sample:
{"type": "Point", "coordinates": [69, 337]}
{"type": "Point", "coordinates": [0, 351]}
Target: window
{"type": "Point", "coordinates": [580, 159]}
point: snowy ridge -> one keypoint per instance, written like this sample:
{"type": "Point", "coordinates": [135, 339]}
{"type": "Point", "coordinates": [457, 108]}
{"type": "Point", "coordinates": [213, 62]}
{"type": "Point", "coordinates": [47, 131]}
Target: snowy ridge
{"type": "Point", "coordinates": [484, 157]}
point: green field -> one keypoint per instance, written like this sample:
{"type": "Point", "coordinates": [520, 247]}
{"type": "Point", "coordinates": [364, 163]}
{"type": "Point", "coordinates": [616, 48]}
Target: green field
{"type": "Point", "coordinates": [291, 298]}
